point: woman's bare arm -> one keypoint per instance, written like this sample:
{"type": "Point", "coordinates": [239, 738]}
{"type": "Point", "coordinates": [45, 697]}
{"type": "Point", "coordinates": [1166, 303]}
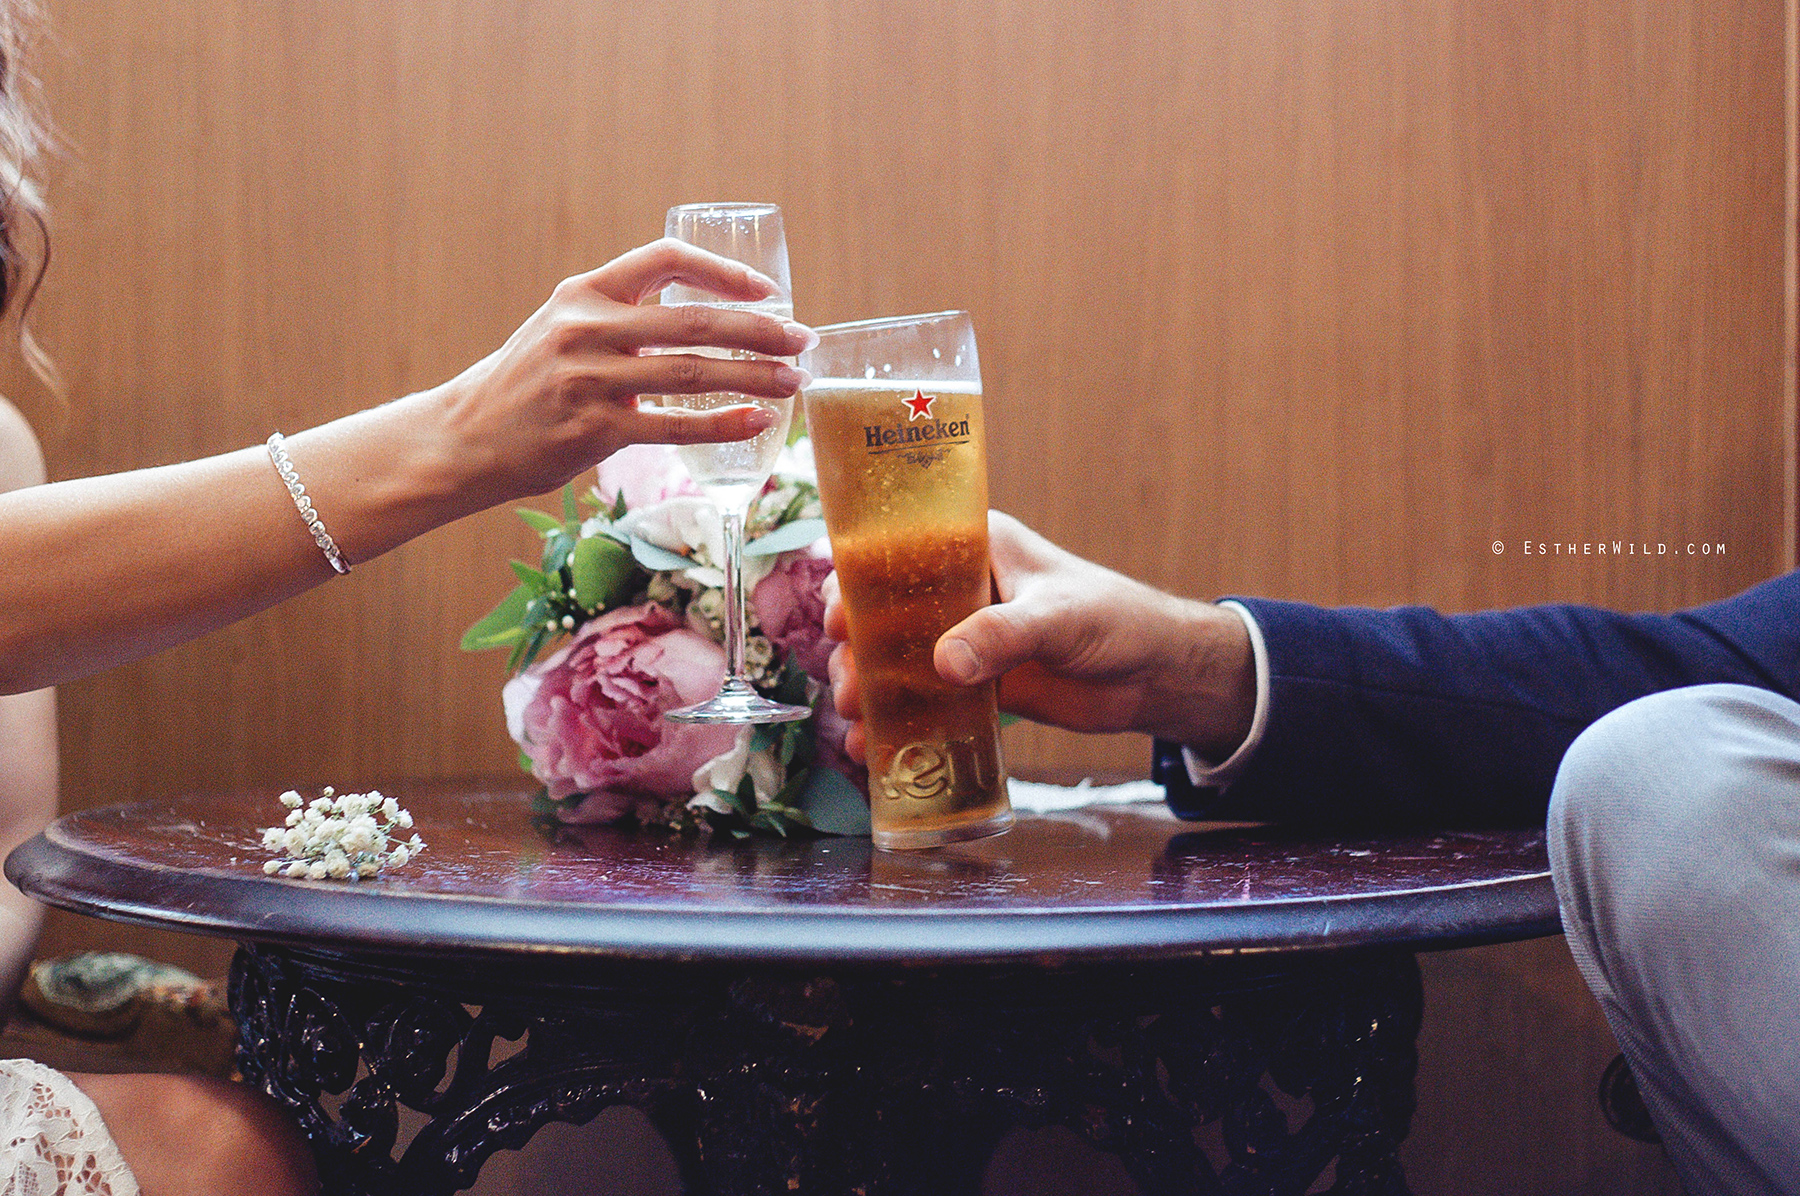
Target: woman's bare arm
{"type": "Point", "coordinates": [28, 757]}
{"type": "Point", "coordinates": [99, 571]}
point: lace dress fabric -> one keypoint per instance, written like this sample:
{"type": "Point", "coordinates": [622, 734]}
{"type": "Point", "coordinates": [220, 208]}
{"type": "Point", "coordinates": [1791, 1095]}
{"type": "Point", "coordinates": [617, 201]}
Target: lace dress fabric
{"type": "Point", "coordinates": [52, 1141]}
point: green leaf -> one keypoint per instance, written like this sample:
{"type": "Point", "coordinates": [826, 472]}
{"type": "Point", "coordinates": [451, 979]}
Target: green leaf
{"type": "Point", "coordinates": [539, 521]}
{"type": "Point", "coordinates": [618, 510]}
{"type": "Point", "coordinates": [833, 805]}
{"type": "Point", "coordinates": [790, 793]}
{"type": "Point", "coordinates": [525, 765]}
{"type": "Point", "coordinates": [790, 687]}
{"type": "Point", "coordinates": [746, 795]}
{"type": "Point", "coordinates": [500, 626]}
{"type": "Point", "coordinates": [537, 579]}
{"type": "Point", "coordinates": [571, 512]}
{"type": "Point", "coordinates": [657, 560]}
{"type": "Point", "coordinates": [557, 547]}
{"type": "Point", "coordinates": [786, 538]}
{"type": "Point", "coordinates": [602, 570]}
{"type": "Point", "coordinates": [533, 646]}
{"type": "Point", "coordinates": [1007, 720]}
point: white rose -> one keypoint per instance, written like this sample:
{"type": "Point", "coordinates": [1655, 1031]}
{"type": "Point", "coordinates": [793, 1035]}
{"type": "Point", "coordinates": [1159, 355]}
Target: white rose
{"type": "Point", "coordinates": [726, 770]}
{"type": "Point", "coordinates": [692, 527]}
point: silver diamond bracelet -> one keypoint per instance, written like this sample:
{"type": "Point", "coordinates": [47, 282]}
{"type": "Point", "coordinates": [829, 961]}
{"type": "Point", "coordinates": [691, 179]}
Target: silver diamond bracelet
{"type": "Point", "coordinates": [279, 458]}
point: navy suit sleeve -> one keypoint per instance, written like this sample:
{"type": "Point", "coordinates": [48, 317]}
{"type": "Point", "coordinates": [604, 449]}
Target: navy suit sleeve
{"type": "Point", "coordinates": [1411, 716]}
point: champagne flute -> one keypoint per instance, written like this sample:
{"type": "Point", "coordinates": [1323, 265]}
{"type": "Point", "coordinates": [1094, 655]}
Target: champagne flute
{"type": "Point", "coordinates": [732, 474]}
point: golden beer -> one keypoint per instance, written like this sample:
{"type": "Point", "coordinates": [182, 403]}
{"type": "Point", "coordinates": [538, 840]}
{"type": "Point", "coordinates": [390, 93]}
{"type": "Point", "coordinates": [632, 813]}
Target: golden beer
{"type": "Point", "coordinates": [903, 480]}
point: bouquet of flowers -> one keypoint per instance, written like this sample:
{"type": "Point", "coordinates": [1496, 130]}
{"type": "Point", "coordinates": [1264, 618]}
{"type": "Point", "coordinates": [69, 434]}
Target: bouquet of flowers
{"type": "Point", "coordinates": [628, 602]}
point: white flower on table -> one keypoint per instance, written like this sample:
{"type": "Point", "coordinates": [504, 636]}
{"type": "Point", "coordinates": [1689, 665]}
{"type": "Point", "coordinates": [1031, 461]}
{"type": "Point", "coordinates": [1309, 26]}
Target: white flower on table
{"type": "Point", "coordinates": [351, 837]}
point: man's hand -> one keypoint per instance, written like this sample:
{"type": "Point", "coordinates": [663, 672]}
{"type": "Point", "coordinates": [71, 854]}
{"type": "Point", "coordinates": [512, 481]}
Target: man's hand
{"type": "Point", "coordinates": [1079, 646]}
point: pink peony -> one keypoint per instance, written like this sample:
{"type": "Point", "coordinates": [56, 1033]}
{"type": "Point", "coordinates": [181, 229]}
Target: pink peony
{"type": "Point", "coordinates": [589, 717]}
{"type": "Point", "coordinates": [792, 611]}
{"type": "Point", "coordinates": [646, 474]}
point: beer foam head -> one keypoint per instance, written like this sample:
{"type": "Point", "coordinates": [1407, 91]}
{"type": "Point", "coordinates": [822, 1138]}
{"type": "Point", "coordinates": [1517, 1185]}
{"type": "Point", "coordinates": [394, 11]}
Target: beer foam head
{"type": "Point", "coordinates": [873, 385]}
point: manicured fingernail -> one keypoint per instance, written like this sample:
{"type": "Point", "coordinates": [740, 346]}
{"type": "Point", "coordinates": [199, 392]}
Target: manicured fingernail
{"type": "Point", "coordinates": [792, 378]}
{"type": "Point", "coordinates": [800, 333]}
{"type": "Point", "coordinates": [963, 661]}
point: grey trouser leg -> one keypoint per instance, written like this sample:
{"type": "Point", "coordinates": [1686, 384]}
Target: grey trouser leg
{"type": "Point", "coordinates": [1675, 846]}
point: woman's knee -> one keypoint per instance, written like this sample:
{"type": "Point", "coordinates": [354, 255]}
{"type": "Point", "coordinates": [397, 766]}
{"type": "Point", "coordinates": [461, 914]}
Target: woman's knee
{"type": "Point", "coordinates": [198, 1136]}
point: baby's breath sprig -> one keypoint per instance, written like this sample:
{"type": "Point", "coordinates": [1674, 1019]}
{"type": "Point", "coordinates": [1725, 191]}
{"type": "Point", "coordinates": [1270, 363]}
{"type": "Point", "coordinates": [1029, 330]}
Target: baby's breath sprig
{"type": "Point", "coordinates": [343, 838]}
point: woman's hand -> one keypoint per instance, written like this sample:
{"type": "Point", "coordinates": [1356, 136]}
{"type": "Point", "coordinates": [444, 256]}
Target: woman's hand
{"type": "Point", "coordinates": [557, 397]}
{"type": "Point", "coordinates": [562, 393]}
{"type": "Point", "coordinates": [1079, 646]}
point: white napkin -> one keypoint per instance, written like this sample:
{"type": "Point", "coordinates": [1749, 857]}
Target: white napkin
{"type": "Point", "coordinates": [1035, 798]}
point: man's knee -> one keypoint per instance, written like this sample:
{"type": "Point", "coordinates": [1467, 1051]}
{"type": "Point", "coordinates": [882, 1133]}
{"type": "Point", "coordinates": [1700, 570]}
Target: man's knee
{"type": "Point", "coordinates": [1666, 805]}
{"type": "Point", "coordinates": [1668, 774]}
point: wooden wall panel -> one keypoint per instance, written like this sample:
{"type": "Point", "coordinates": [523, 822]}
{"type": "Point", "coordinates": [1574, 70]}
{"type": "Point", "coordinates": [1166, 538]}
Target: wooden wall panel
{"type": "Point", "coordinates": [1298, 298]}
{"type": "Point", "coordinates": [1331, 300]}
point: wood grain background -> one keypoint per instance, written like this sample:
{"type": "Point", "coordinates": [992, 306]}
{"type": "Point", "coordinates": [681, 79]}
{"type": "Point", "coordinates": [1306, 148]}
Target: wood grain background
{"type": "Point", "coordinates": [1320, 299]}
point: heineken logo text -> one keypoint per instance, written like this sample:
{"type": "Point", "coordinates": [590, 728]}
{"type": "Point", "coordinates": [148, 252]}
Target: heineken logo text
{"type": "Point", "coordinates": [903, 435]}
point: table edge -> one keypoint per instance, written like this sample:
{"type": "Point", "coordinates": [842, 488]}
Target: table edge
{"type": "Point", "coordinates": [1411, 919]}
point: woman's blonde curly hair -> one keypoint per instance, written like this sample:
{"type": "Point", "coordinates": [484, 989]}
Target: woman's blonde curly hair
{"type": "Point", "coordinates": [24, 230]}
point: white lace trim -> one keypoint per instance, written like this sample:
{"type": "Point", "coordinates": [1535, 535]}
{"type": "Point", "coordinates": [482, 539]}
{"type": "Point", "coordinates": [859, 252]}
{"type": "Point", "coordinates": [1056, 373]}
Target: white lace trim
{"type": "Point", "coordinates": [52, 1141]}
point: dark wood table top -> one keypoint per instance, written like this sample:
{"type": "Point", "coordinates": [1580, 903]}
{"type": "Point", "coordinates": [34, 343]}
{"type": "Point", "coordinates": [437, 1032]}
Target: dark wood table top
{"type": "Point", "coordinates": [1100, 883]}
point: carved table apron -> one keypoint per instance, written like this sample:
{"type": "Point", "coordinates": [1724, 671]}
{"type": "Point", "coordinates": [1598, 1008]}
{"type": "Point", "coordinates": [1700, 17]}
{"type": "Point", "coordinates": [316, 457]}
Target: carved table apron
{"type": "Point", "coordinates": [1227, 1009]}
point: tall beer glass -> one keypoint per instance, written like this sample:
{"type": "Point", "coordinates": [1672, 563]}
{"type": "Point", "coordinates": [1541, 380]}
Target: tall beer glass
{"type": "Point", "coordinates": [894, 411]}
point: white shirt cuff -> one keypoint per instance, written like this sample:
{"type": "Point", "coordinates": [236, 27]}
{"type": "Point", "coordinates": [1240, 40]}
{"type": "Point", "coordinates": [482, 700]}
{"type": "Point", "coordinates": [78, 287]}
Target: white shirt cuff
{"type": "Point", "coordinates": [1205, 775]}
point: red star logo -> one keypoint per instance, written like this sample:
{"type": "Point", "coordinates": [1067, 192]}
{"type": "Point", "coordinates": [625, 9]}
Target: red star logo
{"type": "Point", "coordinates": [919, 405]}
